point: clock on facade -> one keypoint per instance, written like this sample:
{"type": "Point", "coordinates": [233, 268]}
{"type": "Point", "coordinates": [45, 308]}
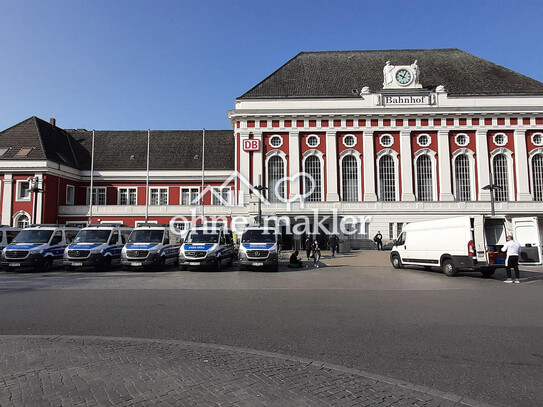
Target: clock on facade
{"type": "Point", "coordinates": [403, 77]}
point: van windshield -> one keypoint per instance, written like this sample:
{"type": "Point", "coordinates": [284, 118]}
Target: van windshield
{"type": "Point", "coordinates": [92, 236]}
{"type": "Point", "coordinates": [202, 236]}
{"type": "Point", "coordinates": [146, 236]}
{"type": "Point", "coordinates": [258, 236]}
{"type": "Point", "coordinates": [33, 236]}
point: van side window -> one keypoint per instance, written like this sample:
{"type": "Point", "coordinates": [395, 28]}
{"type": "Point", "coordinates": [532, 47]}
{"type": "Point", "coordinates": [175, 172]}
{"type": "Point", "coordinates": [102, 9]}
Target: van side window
{"type": "Point", "coordinates": [70, 235]}
{"type": "Point", "coordinates": [114, 237]}
{"type": "Point", "coordinates": [57, 238]}
{"type": "Point", "coordinates": [166, 237]}
{"type": "Point", "coordinates": [222, 241]}
{"type": "Point", "coordinates": [124, 235]}
{"type": "Point", "coordinates": [229, 239]}
{"type": "Point", "coordinates": [401, 239]}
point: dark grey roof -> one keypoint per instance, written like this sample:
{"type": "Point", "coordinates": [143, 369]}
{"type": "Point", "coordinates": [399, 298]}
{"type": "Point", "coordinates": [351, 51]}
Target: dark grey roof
{"type": "Point", "coordinates": [119, 150]}
{"type": "Point", "coordinates": [169, 149]}
{"type": "Point", "coordinates": [337, 73]}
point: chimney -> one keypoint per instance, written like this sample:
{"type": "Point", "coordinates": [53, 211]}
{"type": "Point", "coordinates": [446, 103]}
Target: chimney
{"type": "Point", "coordinates": [53, 121]}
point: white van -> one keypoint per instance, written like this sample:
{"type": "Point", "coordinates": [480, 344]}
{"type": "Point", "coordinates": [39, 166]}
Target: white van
{"type": "Point", "coordinates": [97, 246]}
{"type": "Point", "coordinates": [467, 242]}
{"type": "Point", "coordinates": [259, 249]}
{"type": "Point", "coordinates": [207, 247]}
{"type": "Point", "coordinates": [150, 245]}
{"type": "Point", "coordinates": [38, 246]}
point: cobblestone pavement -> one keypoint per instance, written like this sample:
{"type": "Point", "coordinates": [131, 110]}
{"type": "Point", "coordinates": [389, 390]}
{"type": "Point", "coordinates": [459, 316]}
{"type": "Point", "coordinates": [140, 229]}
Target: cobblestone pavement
{"type": "Point", "coordinates": [96, 371]}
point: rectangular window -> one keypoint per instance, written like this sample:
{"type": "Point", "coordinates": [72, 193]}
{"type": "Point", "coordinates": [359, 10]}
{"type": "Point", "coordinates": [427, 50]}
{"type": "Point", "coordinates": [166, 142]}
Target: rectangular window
{"type": "Point", "coordinates": [391, 230]}
{"type": "Point", "coordinates": [221, 196]}
{"type": "Point", "coordinates": [98, 195]}
{"type": "Point", "coordinates": [128, 196]}
{"type": "Point", "coordinates": [399, 228]}
{"type": "Point", "coordinates": [158, 196]}
{"type": "Point", "coordinates": [70, 194]}
{"type": "Point", "coordinates": [23, 191]}
{"type": "Point", "coordinates": [189, 196]}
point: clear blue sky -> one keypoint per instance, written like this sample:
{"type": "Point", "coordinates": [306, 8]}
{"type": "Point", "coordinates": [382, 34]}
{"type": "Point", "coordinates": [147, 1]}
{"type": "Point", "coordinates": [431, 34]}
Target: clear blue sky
{"type": "Point", "coordinates": [128, 64]}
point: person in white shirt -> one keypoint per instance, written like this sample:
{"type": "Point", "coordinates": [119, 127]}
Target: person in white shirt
{"type": "Point", "coordinates": [511, 261]}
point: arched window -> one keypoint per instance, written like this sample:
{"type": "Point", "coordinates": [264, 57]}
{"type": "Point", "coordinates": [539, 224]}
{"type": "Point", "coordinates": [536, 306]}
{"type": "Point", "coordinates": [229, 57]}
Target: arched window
{"type": "Point", "coordinates": [312, 166]}
{"type": "Point", "coordinates": [501, 178]}
{"type": "Point", "coordinates": [349, 178]}
{"type": "Point", "coordinates": [425, 182]}
{"type": "Point", "coordinates": [276, 171]}
{"type": "Point", "coordinates": [22, 221]}
{"type": "Point", "coordinates": [537, 176]}
{"type": "Point", "coordinates": [387, 179]}
{"type": "Point", "coordinates": [462, 178]}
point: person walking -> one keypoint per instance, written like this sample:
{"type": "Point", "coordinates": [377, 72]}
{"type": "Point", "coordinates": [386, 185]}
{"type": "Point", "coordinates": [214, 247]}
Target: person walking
{"type": "Point", "coordinates": [511, 261]}
{"type": "Point", "coordinates": [316, 253]}
{"type": "Point", "coordinates": [378, 238]}
{"type": "Point", "coordinates": [333, 243]}
{"type": "Point", "coordinates": [307, 246]}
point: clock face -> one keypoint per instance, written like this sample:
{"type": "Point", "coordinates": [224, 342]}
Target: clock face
{"type": "Point", "coordinates": [403, 76]}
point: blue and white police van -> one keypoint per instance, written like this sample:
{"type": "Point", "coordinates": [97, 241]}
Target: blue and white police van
{"type": "Point", "coordinates": [150, 245]}
{"type": "Point", "coordinates": [38, 246]}
{"type": "Point", "coordinates": [207, 247]}
{"type": "Point", "coordinates": [259, 249]}
{"type": "Point", "coordinates": [97, 246]}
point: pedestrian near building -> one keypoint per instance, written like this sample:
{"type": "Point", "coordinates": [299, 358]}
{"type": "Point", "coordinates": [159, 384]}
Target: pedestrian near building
{"type": "Point", "coordinates": [294, 261]}
{"type": "Point", "coordinates": [316, 253]}
{"type": "Point", "coordinates": [378, 238]}
{"type": "Point", "coordinates": [308, 247]}
{"type": "Point", "coordinates": [333, 243]}
{"type": "Point", "coordinates": [511, 261]}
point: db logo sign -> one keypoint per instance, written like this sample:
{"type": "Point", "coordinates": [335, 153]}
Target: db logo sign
{"type": "Point", "coordinates": [251, 145]}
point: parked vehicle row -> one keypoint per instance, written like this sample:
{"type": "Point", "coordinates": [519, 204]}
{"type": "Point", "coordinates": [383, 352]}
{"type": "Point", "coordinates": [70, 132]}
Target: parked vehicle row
{"type": "Point", "coordinates": [148, 246]}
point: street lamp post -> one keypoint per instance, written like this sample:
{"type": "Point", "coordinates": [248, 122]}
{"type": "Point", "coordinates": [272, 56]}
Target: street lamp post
{"type": "Point", "coordinates": [492, 187]}
{"type": "Point", "coordinates": [35, 189]}
{"type": "Point", "coordinates": [260, 188]}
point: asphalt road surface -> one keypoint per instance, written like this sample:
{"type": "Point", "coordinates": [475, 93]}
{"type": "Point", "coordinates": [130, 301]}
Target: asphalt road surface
{"type": "Point", "coordinates": [470, 336]}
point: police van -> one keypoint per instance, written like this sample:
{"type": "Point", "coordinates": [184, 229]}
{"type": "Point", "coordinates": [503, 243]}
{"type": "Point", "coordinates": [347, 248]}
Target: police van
{"type": "Point", "coordinates": [259, 249]}
{"type": "Point", "coordinates": [7, 234]}
{"type": "Point", "coordinates": [150, 245]}
{"type": "Point", "coordinates": [207, 247]}
{"type": "Point", "coordinates": [97, 246]}
{"type": "Point", "coordinates": [38, 246]}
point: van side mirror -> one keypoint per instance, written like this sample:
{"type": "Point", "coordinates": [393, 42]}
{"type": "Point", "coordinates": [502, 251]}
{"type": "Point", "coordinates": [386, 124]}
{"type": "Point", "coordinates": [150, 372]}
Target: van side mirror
{"type": "Point", "coordinates": [395, 242]}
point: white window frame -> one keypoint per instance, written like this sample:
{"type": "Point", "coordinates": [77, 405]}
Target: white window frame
{"type": "Point", "coordinates": [532, 154]}
{"type": "Point", "coordinates": [120, 189]}
{"type": "Point", "coordinates": [70, 187]}
{"type": "Point", "coordinates": [18, 197]}
{"type": "Point", "coordinates": [394, 155]}
{"type": "Point", "coordinates": [460, 144]}
{"type": "Point", "coordinates": [533, 139]}
{"type": "Point", "coordinates": [96, 189]}
{"type": "Point", "coordinates": [310, 136]}
{"type": "Point", "coordinates": [191, 201]}
{"type": "Point", "coordinates": [276, 136]}
{"type": "Point", "coordinates": [424, 135]}
{"type": "Point", "coordinates": [510, 173]}
{"type": "Point", "coordinates": [505, 139]}
{"type": "Point", "coordinates": [320, 156]}
{"type": "Point", "coordinates": [471, 159]}
{"type": "Point", "coordinates": [283, 156]}
{"type": "Point", "coordinates": [432, 155]}
{"type": "Point", "coordinates": [343, 140]}
{"type": "Point", "coordinates": [218, 191]}
{"type": "Point", "coordinates": [159, 190]}
{"type": "Point", "coordinates": [17, 215]}
{"type": "Point", "coordinates": [382, 136]}
{"type": "Point", "coordinates": [356, 155]}
{"type": "Point", "coordinates": [139, 222]}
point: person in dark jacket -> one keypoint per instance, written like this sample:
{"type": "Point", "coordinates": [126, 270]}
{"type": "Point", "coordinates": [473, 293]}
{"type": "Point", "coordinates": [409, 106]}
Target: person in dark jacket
{"type": "Point", "coordinates": [307, 246]}
{"type": "Point", "coordinates": [294, 261]}
{"type": "Point", "coordinates": [333, 243]}
{"type": "Point", "coordinates": [379, 240]}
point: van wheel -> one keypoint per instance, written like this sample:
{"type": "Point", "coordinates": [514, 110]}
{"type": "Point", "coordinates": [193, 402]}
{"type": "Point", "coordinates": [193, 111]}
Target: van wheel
{"type": "Point", "coordinates": [47, 265]}
{"type": "Point", "coordinates": [448, 268]}
{"type": "Point", "coordinates": [161, 264]}
{"type": "Point", "coordinates": [126, 268]}
{"type": "Point", "coordinates": [218, 267]}
{"type": "Point", "coordinates": [397, 262]}
{"type": "Point", "coordinates": [241, 267]}
{"type": "Point", "coordinates": [488, 272]}
{"type": "Point", "coordinates": [107, 264]}
{"type": "Point", "coordinates": [230, 261]}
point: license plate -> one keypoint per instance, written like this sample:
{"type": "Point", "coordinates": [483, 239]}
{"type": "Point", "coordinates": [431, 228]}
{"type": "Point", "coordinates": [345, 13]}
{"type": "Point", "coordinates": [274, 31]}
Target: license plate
{"type": "Point", "coordinates": [258, 264]}
{"type": "Point", "coordinates": [15, 264]}
{"type": "Point", "coordinates": [77, 264]}
{"type": "Point", "coordinates": [194, 263]}
{"type": "Point", "coordinates": [136, 264]}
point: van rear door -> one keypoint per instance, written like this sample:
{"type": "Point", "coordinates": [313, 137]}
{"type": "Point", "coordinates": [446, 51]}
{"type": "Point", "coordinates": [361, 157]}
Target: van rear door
{"type": "Point", "coordinates": [480, 239]}
{"type": "Point", "coordinates": [526, 232]}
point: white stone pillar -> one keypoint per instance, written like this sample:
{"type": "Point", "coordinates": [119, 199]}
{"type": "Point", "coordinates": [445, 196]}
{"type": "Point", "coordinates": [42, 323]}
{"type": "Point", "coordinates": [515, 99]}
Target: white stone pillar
{"type": "Point", "coordinates": [258, 167]}
{"type": "Point", "coordinates": [444, 165]}
{"type": "Point", "coordinates": [521, 167]}
{"type": "Point", "coordinates": [369, 161]}
{"type": "Point", "coordinates": [483, 168]}
{"type": "Point", "coordinates": [294, 162]}
{"type": "Point", "coordinates": [244, 171]}
{"type": "Point", "coordinates": [332, 194]}
{"type": "Point", "coordinates": [39, 200]}
{"type": "Point", "coordinates": [406, 162]}
{"type": "Point", "coordinates": [7, 196]}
